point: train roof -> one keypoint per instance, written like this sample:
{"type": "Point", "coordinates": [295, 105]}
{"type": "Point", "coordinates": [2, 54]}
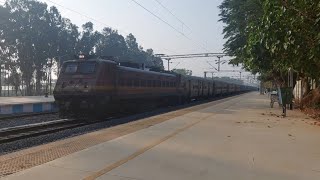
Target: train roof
{"type": "Point", "coordinates": [122, 67]}
{"type": "Point", "coordinates": [206, 79]}
{"type": "Point", "coordinates": [91, 60]}
{"type": "Point", "coordinates": [144, 71]}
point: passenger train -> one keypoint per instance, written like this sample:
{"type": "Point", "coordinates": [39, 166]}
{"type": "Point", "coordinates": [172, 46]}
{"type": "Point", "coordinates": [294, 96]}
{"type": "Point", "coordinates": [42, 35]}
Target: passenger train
{"type": "Point", "coordinates": [97, 86]}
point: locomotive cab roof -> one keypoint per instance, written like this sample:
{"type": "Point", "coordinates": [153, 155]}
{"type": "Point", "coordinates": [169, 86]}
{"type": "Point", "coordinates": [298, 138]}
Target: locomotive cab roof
{"type": "Point", "coordinates": [91, 60]}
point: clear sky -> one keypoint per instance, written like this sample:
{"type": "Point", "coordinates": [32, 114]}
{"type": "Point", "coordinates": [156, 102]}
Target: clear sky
{"type": "Point", "coordinates": [200, 18]}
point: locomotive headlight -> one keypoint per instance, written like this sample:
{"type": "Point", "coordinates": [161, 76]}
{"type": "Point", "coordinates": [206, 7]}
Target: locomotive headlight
{"type": "Point", "coordinates": [85, 90]}
{"type": "Point", "coordinates": [86, 85]}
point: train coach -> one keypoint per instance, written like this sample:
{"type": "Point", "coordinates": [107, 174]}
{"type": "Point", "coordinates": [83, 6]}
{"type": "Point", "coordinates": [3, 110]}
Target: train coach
{"type": "Point", "coordinates": [99, 87]}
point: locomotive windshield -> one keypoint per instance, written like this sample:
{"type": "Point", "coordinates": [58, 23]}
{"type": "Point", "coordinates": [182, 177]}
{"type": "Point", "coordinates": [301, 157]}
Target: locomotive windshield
{"type": "Point", "coordinates": [71, 68]}
{"type": "Point", "coordinates": [79, 67]}
{"type": "Point", "coordinates": [87, 67]}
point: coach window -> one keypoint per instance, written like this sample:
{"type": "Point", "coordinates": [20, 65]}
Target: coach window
{"type": "Point", "coordinates": [143, 83]}
{"type": "Point", "coordinates": [122, 83]}
{"type": "Point", "coordinates": [163, 84]}
{"type": "Point", "coordinates": [129, 82]}
{"type": "Point", "coordinates": [136, 83]}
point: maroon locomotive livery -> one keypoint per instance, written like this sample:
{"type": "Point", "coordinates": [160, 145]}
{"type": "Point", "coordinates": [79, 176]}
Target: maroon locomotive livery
{"type": "Point", "coordinates": [98, 86]}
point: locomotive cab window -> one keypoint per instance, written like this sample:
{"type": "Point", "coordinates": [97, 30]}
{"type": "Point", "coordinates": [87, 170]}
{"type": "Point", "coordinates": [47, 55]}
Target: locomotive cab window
{"type": "Point", "coordinates": [82, 67]}
{"type": "Point", "coordinates": [87, 67]}
{"type": "Point", "coordinates": [71, 68]}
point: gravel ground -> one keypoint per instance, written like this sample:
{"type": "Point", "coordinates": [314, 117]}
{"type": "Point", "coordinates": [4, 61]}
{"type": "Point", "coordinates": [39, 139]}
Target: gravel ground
{"type": "Point", "coordinates": [18, 121]}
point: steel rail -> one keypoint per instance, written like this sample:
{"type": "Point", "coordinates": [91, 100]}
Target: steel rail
{"type": "Point", "coordinates": [31, 130]}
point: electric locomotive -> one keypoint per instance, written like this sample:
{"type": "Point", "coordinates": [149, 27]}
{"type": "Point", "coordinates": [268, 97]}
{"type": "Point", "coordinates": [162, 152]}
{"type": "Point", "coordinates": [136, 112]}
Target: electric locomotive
{"type": "Point", "coordinates": [99, 86]}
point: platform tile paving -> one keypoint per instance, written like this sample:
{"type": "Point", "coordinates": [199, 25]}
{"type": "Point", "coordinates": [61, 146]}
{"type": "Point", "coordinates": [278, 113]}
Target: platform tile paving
{"type": "Point", "coordinates": [24, 100]}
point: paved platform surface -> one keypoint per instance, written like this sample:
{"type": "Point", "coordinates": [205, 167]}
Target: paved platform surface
{"type": "Point", "coordinates": [241, 138]}
{"type": "Point", "coordinates": [24, 100]}
{"type": "Point", "coordinates": [26, 104]}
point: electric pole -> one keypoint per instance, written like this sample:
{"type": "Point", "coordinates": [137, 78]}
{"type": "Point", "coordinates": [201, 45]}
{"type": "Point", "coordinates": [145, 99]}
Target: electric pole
{"type": "Point", "coordinates": [168, 59]}
{"type": "Point", "coordinates": [219, 61]}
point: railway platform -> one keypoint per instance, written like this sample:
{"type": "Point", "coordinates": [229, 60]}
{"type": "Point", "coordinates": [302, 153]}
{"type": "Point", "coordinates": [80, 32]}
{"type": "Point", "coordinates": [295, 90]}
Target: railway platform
{"type": "Point", "coordinates": [26, 104]}
{"type": "Point", "coordinates": [239, 137]}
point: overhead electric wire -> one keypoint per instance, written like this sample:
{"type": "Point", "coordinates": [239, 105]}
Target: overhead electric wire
{"type": "Point", "coordinates": [174, 28]}
{"type": "Point", "coordinates": [158, 17]}
{"type": "Point", "coordinates": [183, 23]}
{"type": "Point", "coordinates": [84, 15]}
{"type": "Point", "coordinates": [167, 9]}
{"type": "Point", "coordinates": [95, 20]}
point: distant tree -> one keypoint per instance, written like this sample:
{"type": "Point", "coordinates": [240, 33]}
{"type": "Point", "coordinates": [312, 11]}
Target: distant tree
{"type": "Point", "coordinates": [184, 72]}
{"type": "Point", "coordinates": [88, 39]}
{"type": "Point", "coordinates": [5, 15]}
{"type": "Point", "coordinates": [132, 43]}
{"type": "Point", "coordinates": [29, 32]}
{"type": "Point", "coordinates": [270, 37]}
{"type": "Point", "coordinates": [14, 78]}
{"type": "Point", "coordinates": [110, 43]}
{"type": "Point", "coordinates": [153, 62]}
{"type": "Point", "coordinates": [134, 52]}
{"type": "Point", "coordinates": [67, 41]}
{"type": "Point", "coordinates": [33, 37]}
{"type": "Point", "coordinates": [157, 63]}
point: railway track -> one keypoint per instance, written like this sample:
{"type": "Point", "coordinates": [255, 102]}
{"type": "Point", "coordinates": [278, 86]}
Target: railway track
{"type": "Point", "coordinates": [6, 117]}
{"type": "Point", "coordinates": [31, 130]}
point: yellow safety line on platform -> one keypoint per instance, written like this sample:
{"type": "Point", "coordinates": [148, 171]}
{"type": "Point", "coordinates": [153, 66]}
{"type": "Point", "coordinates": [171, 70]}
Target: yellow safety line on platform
{"type": "Point", "coordinates": [141, 151]}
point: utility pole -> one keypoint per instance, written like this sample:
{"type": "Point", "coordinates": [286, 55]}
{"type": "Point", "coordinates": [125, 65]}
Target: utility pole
{"type": "Point", "coordinates": [205, 74]}
{"type": "Point", "coordinates": [240, 74]}
{"type": "Point", "coordinates": [50, 77]}
{"type": "Point", "coordinates": [168, 59]}
{"type": "Point", "coordinates": [7, 77]}
{"type": "Point", "coordinates": [47, 82]}
{"type": "Point", "coordinates": [219, 61]}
